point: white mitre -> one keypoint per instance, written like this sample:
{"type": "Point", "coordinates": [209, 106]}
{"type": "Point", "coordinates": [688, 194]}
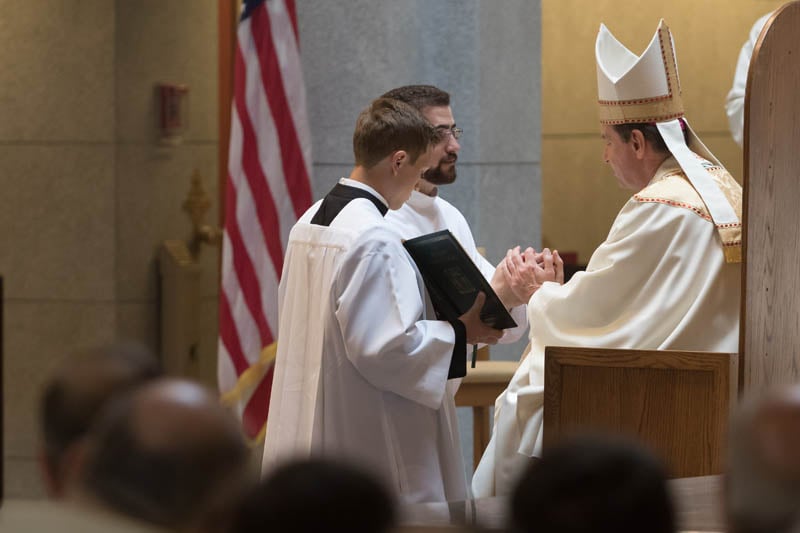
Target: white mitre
{"type": "Point", "coordinates": [634, 89]}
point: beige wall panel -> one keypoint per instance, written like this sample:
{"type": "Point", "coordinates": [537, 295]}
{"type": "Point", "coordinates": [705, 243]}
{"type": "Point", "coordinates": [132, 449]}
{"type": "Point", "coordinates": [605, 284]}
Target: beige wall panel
{"type": "Point", "coordinates": [585, 192]}
{"type": "Point", "coordinates": [169, 42]}
{"type": "Point", "coordinates": [57, 64]}
{"type": "Point", "coordinates": [152, 184]}
{"type": "Point", "coordinates": [205, 368]}
{"type": "Point", "coordinates": [708, 38]}
{"type": "Point", "coordinates": [37, 335]}
{"type": "Point", "coordinates": [22, 478]}
{"type": "Point", "coordinates": [56, 221]}
{"type": "Point", "coordinates": [138, 321]}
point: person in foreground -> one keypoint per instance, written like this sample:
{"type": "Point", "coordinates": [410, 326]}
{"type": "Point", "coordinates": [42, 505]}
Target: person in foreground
{"type": "Point", "coordinates": [362, 366]}
{"type": "Point", "coordinates": [593, 483]}
{"type": "Point", "coordinates": [762, 480]}
{"type": "Point", "coordinates": [668, 274]}
{"type": "Point", "coordinates": [168, 454]}
{"type": "Point", "coordinates": [316, 495]}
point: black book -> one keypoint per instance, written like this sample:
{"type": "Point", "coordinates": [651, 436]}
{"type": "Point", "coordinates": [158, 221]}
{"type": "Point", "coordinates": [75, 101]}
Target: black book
{"type": "Point", "coordinates": [453, 280]}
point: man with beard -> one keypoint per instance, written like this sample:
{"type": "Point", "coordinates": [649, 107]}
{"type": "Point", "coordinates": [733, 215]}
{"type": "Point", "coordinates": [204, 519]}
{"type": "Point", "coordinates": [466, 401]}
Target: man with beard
{"type": "Point", "coordinates": [426, 212]}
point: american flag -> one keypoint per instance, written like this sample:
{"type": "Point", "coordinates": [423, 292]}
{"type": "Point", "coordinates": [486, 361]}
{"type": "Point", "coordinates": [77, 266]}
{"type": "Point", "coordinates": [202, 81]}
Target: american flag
{"type": "Point", "coordinates": [267, 189]}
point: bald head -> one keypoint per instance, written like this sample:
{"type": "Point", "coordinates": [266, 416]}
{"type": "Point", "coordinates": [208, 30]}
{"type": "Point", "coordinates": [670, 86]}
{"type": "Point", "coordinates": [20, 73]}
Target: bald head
{"type": "Point", "coordinates": [173, 414]}
{"type": "Point", "coordinates": [166, 454]}
{"type": "Point", "coordinates": [763, 479]}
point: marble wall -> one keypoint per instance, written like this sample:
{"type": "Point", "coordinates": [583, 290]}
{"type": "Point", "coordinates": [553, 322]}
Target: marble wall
{"type": "Point", "coordinates": [485, 54]}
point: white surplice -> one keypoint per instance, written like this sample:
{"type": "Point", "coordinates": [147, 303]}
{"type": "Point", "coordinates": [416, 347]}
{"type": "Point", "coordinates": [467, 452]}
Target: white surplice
{"type": "Point", "coordinates": [659, 281]}
{"type": "Point", "coordinates": [423, 214]}
{"type": "Point", "coordinates": [734, 103]}
{"type": "Point", "coordinates": [361, 373]}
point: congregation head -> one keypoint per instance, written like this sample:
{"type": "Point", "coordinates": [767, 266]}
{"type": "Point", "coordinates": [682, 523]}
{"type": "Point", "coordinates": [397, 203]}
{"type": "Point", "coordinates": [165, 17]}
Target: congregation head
{"type": "Point", "coordinates": [168, 454]}
{"type": "Point", "coordinates": [593, 483]}
{"type": "Point", "coordinates": [762, 488]}
{"type": "Point", "coordinates": [308, 496]}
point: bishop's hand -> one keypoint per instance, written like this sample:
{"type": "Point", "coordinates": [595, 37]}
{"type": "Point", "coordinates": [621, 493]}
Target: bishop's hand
{"type": "Point", "coordinates": [526, 272]}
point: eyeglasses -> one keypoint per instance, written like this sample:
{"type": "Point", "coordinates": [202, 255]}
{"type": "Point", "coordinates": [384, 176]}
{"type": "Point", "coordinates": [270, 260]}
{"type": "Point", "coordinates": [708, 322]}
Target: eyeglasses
{"type": "Point", "coordinates": [444, 131]}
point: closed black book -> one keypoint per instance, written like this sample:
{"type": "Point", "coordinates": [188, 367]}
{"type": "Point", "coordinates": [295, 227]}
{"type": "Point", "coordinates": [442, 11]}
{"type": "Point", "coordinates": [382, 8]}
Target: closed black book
{"type": "Point", "coordinates": [453, 280]}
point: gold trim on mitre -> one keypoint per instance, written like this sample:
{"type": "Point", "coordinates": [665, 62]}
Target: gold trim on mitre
{"type": "Point", "coordinates": [633, 88]}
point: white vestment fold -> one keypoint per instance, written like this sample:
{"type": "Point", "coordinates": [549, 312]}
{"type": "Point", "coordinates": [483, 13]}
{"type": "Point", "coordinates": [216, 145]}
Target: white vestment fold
{"type": "Point", "coordinates": [659, 281]}
{"type": "Point", "coordinates": [361, 373]}
{"type": "Point", "coordinates": [734, 102]}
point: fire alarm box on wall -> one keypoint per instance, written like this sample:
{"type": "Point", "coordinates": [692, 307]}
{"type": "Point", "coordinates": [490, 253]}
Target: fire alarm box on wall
{"type": "Point", "coordinates": [173, 111]}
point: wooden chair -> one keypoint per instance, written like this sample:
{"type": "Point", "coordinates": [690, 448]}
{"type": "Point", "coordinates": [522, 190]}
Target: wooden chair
{"type": "Point", "coordinates": [770, 335]}
{"type": "Point", "coordinates": [676, 403]}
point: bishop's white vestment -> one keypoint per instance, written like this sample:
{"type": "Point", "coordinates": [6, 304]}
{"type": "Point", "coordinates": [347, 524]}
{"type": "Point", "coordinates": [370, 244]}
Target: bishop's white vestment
{"type": "Point", "coordinates": [659, 281]}
{"type": "Point", "coordinates": [362, 369]}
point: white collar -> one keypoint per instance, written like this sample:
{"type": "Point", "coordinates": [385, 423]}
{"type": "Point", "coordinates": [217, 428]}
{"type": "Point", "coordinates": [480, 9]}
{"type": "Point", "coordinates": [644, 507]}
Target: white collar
{"type": "Point", "coordinates": [420, 201]}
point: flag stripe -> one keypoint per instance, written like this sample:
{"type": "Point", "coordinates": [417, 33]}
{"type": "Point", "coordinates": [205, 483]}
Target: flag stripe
{"type": "Point", "coordinates": [250, 228]}
{"type": "Point", "coordinates": [246, 275]}
{"type": "Point", "coordinates": [255, 414]}
{"type": "Point", "coordinates": [267, 189]}
{"type": "Point", "coordinates": [291, 9]}
{"type": "Point", "coordinates": [269, 152]}
{"type": "Point", "coordinates": [243, 323]}
{"type": "Point", "coordinates": [288, 55]}
{"type": "Point", "coordinates": [265, 206]}
{"type": "Point", "coordinates": [293, 163]}
{"type": "Point", "coordinates": [229, 337]}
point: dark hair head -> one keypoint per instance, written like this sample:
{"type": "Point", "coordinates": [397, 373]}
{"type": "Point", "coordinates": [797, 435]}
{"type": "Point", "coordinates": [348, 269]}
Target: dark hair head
{"type": "Point", "coordinates": [168, 454]}
{"type": "Point", "coordinates": [81, 386]}
{"type": "Point", "coordinates": [420, 96]}
{"type": "Point", "coordinates": [388, 125]}
{"type": "Point", "coordinates": [593, 484]}
{"type": "Point", "coordinates": [651, 134]}
{"type": "Point", "coordinates": [317, 495]}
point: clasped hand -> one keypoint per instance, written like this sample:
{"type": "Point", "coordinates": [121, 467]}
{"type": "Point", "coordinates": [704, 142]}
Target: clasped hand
{"type": "Point", "coordinates": [520, 274]}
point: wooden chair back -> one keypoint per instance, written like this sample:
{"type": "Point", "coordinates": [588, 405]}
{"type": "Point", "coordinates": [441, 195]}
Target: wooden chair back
{"type": "Point", "coordinates": [770, 327]}
{"type": "Point", "coordinates": [676, 403]}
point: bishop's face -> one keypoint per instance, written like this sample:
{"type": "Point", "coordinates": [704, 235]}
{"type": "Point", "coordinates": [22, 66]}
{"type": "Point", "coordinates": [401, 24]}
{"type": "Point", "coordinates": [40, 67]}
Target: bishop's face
{"type": "Point", "coordinates": [445, 154]}
{"type": "Point", "coordinates": [621, 156]}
